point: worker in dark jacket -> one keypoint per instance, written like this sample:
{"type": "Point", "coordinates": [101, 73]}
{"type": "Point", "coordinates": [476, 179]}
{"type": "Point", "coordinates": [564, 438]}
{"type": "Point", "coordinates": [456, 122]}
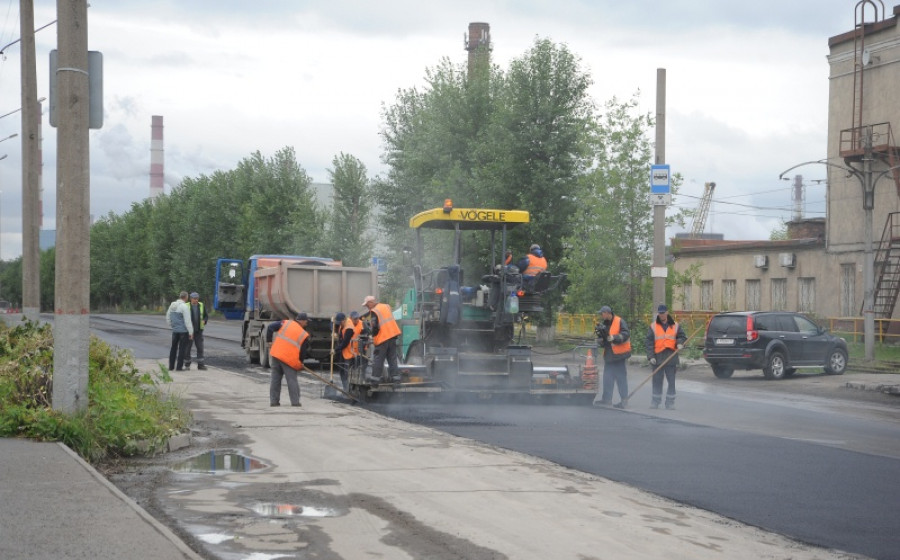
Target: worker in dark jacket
{"type": "Point", "coordinates": [199, 318]}
{"type": "Point", "coordinates": [614, 337]}
{"type": "Point", "coordinates": [290, 346]}
{"type": "Point", "coordinates": [664, 338]}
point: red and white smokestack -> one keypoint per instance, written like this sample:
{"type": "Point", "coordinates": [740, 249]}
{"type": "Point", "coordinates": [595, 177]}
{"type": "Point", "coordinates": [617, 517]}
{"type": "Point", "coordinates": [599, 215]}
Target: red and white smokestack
{"type": "Point", "coordinates": [156, 157]}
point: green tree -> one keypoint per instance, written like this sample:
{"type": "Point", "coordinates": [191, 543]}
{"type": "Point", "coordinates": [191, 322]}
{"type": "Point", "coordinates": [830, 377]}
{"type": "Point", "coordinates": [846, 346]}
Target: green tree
{"type": "Point", "coordinates": [144, 257]}
{"type": "Point", "coordinates": [347, 237]}
{"type": "Point", "coordinates": [609, 253]}
{"type": "Point", "coordinates": [780, 233]}
{"type": "Point", "coordinates": [516, 140]}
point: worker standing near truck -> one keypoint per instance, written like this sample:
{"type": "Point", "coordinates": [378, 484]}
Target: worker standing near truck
{"type": "Point", "coordinates": [199, 318]}
{"type": "Point", "coordinates": [343, 352]}
{"type": "Point", "coordinates": [290, 345]}
{"type": "Point", "coordinates": [178, 318]}
{"type": "Point", "coordinates": [385, 332]}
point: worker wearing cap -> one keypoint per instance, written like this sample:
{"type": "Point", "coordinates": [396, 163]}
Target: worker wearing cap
{"type": "Point", "coordinates": [178, 317]}
{"type": "Point", "coordinates": [290, 345]}
{"type": "Point", "coordinates": [199, 318]}
{"type": "Point", "coordinates": [614, 337]}
{"type": "Point", "coordinates": [664, 339]}
{"type": "Point", "coordinates": [385, 332]}
{"type": "Point", "coordinates": [533, 263]}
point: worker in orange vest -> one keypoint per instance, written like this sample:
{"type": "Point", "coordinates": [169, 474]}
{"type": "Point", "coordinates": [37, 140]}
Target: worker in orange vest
{"type": "Point", "coordinates": [290, 345]}
{"type": "Point", "coordinates": [664, 339]}
{"type": "Point", "coordinates": [385, 334]}
{"type": "Point", "coordinates": [346, 332]}
{"type": "Point", "coordinates": [533, 263]}
{"type": "Point", "coordinates": [614, 337]}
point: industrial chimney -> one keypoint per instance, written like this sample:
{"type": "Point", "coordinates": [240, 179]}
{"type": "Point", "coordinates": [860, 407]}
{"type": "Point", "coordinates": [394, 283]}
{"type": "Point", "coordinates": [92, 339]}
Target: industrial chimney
{"type": "Point", "coordinates": [156, 157]}
{"type": "Point", "coordinates": [478, 42]}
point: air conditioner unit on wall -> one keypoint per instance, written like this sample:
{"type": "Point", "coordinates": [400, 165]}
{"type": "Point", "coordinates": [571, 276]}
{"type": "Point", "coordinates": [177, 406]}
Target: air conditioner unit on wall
{"type": "Point", "coordinates": [787, 260]}
{"type": "Point", "coordinates": [761, 261]}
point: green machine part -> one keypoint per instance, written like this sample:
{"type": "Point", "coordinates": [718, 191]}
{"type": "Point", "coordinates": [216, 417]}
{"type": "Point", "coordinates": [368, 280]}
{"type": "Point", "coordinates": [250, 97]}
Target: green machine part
{"type": "Point", "coordinates": [409, 325]}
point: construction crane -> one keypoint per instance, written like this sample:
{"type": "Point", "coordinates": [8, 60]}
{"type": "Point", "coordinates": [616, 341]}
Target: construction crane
{"type": "Point", "coordinates": [702, 211]}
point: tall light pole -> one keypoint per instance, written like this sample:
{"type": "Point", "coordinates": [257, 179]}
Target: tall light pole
{"type": "Point", "coordinates": [13, 135]}
{"type": "Point", "coordinates": [3, 157]}
{"type": "Point", "coordinates": [867, 180]}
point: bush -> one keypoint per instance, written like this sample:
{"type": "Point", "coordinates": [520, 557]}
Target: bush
{"type": "Point", "coordinates": [127, 412]}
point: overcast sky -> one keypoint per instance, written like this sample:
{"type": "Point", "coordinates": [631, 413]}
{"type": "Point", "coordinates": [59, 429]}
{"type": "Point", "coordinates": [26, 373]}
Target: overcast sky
{"type": "Point", "coordinates": [746, 91]}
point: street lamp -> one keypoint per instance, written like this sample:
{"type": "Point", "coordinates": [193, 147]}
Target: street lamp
{"type": "Point", "coordinates": [867, 181]}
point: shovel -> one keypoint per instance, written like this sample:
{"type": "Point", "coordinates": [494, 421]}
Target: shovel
{"type": "Point", "coordinates": [329, 391]}
{"type": "Point", "coordinates": [664, 362]}
{"type": "Point", "coordinates": [330, 386]}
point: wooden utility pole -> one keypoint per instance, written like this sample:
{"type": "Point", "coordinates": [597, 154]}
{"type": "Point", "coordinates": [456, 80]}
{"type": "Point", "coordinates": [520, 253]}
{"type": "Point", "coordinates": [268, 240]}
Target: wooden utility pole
{"type": "Point", "coordinates": [31, 249]}
{"type": "Point", "coordinates": [71, 328]}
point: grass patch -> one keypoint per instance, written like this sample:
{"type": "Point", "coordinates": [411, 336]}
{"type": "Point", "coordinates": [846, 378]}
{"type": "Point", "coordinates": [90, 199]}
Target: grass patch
{"type": "Point", "coordinates": [127, 413]}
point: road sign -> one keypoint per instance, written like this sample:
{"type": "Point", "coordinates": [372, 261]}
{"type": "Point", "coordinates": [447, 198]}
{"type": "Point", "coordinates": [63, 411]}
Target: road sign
{"type": "Point", "coordinates": [660, 179]}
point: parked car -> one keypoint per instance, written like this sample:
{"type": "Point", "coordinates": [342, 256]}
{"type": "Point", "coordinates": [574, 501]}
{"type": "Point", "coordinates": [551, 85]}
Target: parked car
{"type": "Point", "coordinates": [777, 342]}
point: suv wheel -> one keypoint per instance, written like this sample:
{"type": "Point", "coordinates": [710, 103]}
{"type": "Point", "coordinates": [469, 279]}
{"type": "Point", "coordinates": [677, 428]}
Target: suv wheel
{"type": "Point", "coordinates": [722, 372]}
{"type": "Point", "coordinates": [837, 362]}
{"type": "Point", "coordinates": [775, 367]}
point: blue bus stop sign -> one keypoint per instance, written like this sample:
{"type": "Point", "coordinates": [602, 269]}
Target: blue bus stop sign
{"type": "Point", "coordinates": [660, 179]}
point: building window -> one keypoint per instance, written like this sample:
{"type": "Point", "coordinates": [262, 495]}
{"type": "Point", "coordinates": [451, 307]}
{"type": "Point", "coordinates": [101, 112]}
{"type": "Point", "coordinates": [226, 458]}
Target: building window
{"type": "Point", "coordinates": [686, 300]}
{"type": "Point", "coordinates": [706, 295]}
{"type": "Point", "coordinates": [807, 288]}
{"type": "Point", "coordinates": [729, 294]}
{"type": "Point", "coordinates": [779, 294]}
{"type": "Point", "coordinates": [848, 290]}
{"type": "Point", "coordinates": [752, 300]}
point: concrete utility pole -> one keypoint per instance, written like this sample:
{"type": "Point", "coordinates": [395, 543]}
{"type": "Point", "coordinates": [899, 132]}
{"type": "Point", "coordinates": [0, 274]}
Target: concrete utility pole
{"type": "Point", "coordinates": [659, 210]}
{"type": "Point", "coordinates": [31, 249]}
{"type": "Point", "coordinates": [71, 328]}
{"type": "Point", "coordinates": [868, 254]}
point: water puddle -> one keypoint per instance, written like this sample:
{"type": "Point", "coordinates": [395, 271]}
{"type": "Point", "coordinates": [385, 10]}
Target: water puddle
{"type": "Point", "coordinates": [291, 510]}
{"type": "Point", "coordinates": [221, 461]}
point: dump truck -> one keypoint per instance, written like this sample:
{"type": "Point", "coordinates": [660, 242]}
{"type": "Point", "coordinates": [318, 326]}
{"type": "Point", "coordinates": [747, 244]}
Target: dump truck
{"type": "Point", "coordinates": [462, 331]}
{"type": "Point", "coordinates": [267, 288]}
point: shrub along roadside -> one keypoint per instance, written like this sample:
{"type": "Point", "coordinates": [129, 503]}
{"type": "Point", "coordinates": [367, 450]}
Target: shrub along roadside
{"type": "Point", "coordinates": [127, 413]}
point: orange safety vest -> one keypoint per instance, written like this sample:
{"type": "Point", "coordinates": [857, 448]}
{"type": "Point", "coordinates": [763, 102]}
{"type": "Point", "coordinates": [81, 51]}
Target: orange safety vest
{"type": "Point", "coordinates": [536, 265]}
{"type": "Point", "coordinates": [287, 344]}
{"type": "Point", "coordinates": [614, 328]}
{"type": "Point", "coordinates": [351, 350]}
{"type": "Point", "coordinates": [387, 326]}
{"type": "Point", "coordinates": [665, 336]}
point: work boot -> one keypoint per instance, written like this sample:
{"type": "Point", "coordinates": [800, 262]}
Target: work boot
{"type": "Point", "coordinates": [201, 366]}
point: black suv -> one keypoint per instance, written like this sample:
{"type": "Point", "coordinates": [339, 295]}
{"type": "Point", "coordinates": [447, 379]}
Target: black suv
{"type": "Point", "coordinates": [778, 342]}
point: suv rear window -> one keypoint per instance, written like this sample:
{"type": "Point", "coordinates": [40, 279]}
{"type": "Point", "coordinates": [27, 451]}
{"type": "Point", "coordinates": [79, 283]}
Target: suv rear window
{"type": "Point", "coordinates": [725, 325]}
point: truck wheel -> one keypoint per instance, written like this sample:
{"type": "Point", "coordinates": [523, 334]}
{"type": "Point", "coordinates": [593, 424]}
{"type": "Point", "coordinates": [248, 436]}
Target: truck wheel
{"type": "Point", "coordinates": [775, 367]}
{"type": "Point", "coordinates": [264, 352]}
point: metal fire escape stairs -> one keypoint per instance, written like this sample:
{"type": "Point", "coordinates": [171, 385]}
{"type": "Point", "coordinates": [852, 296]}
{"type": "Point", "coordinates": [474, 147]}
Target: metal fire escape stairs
{"type": "Point", "coordinates": [875, 142]}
